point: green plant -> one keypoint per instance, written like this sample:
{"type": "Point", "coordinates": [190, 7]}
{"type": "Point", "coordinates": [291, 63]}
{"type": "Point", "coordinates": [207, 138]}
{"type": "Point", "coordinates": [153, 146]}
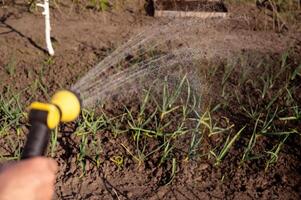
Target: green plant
{"type": "Point", "coordinates": [53, 141]}
{"type": "Point", "coordinates": [226, 147]}
{"type": "Point", "coordinates": [297, 72]}
{"type": "Point", "coordinates": [11, 126]}
{"type": "Point", "coordinates": [266, 102]}
{"type": "Point", "coordinates": [11, 113]}
{"type": "Point", "coordinates": [274, 152]}
{"type": "Point", "coordinates": [100, 5]}
{"type": "Point", "coordinates": [206, 123]}
{"type": "Point", "coordinates": [118, 160]}
{"type": "Point", "coordinates": [164, 121]}
{"type": "Point", "coordinates": [173, 171]}
{"type": "Point", "coordinates": [87, 130]}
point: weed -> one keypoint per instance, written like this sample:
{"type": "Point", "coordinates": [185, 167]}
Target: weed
{"type": "Point", "coordinates": [11, 124]}
{"type": "Point", "coordinates": [11, 113]}
{"type": "Point", "coordinates": [118, 160]}
{"type": "Point", "coordinates": [100, 5]}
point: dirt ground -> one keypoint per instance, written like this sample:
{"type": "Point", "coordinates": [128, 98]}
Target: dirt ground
{"type": "Point", "coordinates": [82, 37]}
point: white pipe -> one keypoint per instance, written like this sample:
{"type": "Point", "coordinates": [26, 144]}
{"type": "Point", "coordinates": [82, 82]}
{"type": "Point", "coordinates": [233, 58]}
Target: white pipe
{"type": "Point", "coordinates": [46, 13]}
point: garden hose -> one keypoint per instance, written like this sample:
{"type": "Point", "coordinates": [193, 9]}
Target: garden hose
{"type": "Point", "coordinates": [64, 106]}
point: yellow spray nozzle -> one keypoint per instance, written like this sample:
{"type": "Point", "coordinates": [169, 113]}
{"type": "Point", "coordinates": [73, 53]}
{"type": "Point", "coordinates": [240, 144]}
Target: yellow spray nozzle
{"type": "Point", "coordinates": [52, 114]}
{"type": "Point", "coordinates": [68, 103]}
{"type": "Point", "coordinates": [65, 106]}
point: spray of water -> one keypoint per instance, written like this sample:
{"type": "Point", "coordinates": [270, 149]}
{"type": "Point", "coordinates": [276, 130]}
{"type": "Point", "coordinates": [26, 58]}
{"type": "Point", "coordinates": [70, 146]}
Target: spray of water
{"type": "Point", "coordinates": [151, 55]}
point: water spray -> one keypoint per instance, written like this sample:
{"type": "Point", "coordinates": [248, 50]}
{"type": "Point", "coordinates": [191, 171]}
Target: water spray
{"type": "Point", "coordinates": [64, 106]}
{"type": "Point", "coordinates": [93, 87]}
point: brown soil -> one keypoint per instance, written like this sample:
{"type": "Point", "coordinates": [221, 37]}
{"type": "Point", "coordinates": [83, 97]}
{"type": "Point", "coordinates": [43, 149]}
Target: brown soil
{"type": "Point", "coordinates": [81, 39]}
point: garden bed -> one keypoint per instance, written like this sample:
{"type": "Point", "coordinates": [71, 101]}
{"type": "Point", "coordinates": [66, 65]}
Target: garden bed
{"type": "Point", "coordinates": [252, 84]}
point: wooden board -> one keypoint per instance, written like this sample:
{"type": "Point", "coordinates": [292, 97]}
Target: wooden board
{"type": "Point", "coordinates": [203, 15]}
{"type": "Point", "coordinates": [191, 5]}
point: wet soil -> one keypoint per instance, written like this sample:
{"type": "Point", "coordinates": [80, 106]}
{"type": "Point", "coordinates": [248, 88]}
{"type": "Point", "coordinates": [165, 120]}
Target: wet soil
{"type": "Point", "coordinates": [81, 39]}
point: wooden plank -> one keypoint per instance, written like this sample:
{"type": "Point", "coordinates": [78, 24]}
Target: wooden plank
{"type": "Point", "coordinates": [203, 15]}
{"type": "Point", "coordinates": [155, 1]}
{"type": "Point", "coordinates": [191, 5]}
